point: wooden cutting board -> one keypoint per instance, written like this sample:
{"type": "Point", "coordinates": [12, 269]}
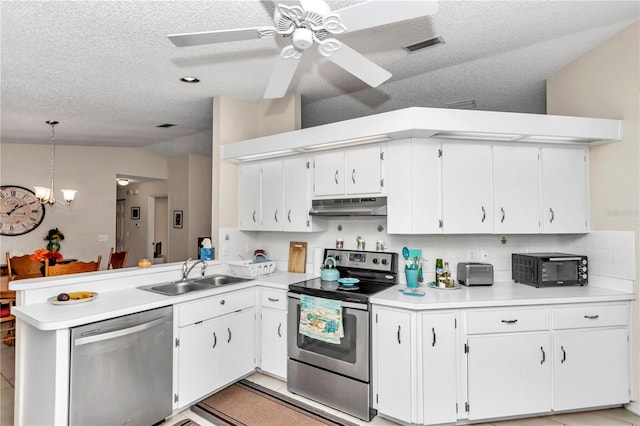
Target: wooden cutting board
{"type": "Point", "coordinates": [297, 256]}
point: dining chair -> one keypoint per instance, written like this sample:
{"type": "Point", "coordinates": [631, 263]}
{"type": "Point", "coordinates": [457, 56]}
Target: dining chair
{"type": "Point", "coordinates": [22, 267]}
{"type": "Point", "coordinates": [117, 259]}
{"type": "Point", "coordinates": [7, 334]}
{"type": "Point", "coordinates": [71, 267]}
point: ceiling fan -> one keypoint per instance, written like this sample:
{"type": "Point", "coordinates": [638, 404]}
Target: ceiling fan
{"type": "Point", "coordinates": [307, 22]}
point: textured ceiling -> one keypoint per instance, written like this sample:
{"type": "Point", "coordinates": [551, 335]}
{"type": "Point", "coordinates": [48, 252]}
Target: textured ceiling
{"type": "Point", "coordinates": [108, 73]}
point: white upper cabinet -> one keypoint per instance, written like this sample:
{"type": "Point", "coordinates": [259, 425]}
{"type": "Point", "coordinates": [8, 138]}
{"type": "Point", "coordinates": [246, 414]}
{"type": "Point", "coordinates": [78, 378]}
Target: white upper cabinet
{"type": "Point", "coordinates": [413, 187]}
{"type": "Point", "coordinates": [516, 189]}
{"type": "Point", "coordinates": [466, 188]}
{"type": "Point", "coordinates": [356, 171]}
{"type": "Point", "coordinates": [249, 196]}
{"type": "Point", "coordinates": [272, 196]}
{"type": "Point", "coordinates": [275, 195]}
{"type": "Point", "coordinates": [564, 190]}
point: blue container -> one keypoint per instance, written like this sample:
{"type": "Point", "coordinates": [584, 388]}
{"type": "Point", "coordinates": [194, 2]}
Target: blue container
{"type": "Point", "coordinates": [206, 253]}
{"type": "Point", "coordinates": [412, 277]}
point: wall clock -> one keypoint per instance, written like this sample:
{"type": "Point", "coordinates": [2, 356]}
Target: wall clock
{"type": "Point", "coordinates": [20, 210]}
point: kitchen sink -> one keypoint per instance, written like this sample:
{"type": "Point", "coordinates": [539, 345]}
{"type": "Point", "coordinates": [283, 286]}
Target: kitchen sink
{"type": "Point", "coordinates": [219, 280]}
{"type": "Point", "coordinates": [177, 288]}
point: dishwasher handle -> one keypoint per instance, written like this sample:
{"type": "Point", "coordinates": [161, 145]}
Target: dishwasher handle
{"type": "Point", "coordinates": [119, 333]}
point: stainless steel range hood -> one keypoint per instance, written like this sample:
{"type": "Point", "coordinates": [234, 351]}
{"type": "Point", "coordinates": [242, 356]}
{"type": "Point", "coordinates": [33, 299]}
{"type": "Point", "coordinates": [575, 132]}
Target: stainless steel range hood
{"type": "Point", "coordinates": [370, 206]}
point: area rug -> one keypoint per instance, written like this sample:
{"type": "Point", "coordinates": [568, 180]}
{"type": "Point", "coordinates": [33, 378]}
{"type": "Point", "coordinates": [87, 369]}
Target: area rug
{"type": "Point", "coordinates": [248, 404]}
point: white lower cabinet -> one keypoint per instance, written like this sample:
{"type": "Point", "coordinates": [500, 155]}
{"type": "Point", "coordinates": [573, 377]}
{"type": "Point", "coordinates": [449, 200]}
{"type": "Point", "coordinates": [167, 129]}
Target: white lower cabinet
{"type": "Point", "coordinates": [415, 365]}
{"type": "Point", "coordinates": [439, 372]}
{"type": "Point", "coordinates": [216, 347]}
{"type": "Point", "coordinates": [508, 374]}
{"type": "Point", "coordinates": [273, 332]}
{"type": "Point", "coordinates": [393, 363]}
{"type": "Point", "coordinates": [555, 358]}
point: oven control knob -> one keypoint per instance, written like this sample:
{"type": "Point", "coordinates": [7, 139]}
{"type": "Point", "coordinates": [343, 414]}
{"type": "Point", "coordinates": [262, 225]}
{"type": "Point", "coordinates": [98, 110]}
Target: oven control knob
{"type": "Point", "coordinates": [375, 261]}
{"type": "Point", "coordinates": [385, 261]}
{"type": "Point", "coordinates": [337, 258]}
{"type": "Point", "coordinates": [584, 261]}
{"type": "Point", "coordinates": [584, 269]}
{"type": "Point", "coordinates": [584, 276]}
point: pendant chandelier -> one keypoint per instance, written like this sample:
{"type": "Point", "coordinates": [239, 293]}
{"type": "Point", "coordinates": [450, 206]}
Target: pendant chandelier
{"type": "Point", "coordinates": [45, 195]}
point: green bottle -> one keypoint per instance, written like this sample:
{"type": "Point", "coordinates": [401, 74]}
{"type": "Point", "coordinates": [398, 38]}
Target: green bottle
{"type": "Point", "coordinates": [439, 271]}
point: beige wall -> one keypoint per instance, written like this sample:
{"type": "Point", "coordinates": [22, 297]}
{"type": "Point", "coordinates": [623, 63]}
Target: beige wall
{"type": "Point", "coordinates": [89, 170]}
{"type": "Point", "coordinates": [606, 83]}
{"type": "Point", "coordinates": [235, 120]}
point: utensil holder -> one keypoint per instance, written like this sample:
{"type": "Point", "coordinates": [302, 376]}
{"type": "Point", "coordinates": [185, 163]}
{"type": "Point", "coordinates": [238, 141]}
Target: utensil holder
{"type": "Point", "coordinates": [412, 277]}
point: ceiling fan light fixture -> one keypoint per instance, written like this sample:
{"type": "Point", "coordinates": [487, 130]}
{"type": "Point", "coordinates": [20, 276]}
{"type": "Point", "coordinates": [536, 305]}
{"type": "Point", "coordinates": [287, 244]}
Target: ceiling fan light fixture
{"type": "Point", "coordinates": [435, 41]}
{"type": "Point", "coordinates": [122, 181]}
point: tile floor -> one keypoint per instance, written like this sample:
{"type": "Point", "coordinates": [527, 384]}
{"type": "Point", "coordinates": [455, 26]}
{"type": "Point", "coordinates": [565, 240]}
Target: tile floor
{"type": "Point", "coordinates": [610, 417]}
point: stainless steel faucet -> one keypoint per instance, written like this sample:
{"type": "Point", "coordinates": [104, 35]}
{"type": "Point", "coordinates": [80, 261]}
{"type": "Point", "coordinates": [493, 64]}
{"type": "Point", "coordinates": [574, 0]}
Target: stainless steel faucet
{"type": "Point", "coordinates": [186, 270]}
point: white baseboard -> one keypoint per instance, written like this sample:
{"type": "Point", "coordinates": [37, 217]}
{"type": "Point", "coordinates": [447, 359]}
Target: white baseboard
{"type": "Point", "coordinates": [634, 407]}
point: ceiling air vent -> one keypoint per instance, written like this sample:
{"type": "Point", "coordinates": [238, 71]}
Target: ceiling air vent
{"type": "Point", "coordinates": [165, 125]}
{"type": "Point", "coordinates": [424, 44]}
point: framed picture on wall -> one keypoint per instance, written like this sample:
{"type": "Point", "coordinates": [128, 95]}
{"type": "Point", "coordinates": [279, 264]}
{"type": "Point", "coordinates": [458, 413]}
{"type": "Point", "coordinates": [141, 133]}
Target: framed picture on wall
{"type": "Point", "coordinates": [177, 218]}
{"type": "Point", "coordinates": [135, 213]}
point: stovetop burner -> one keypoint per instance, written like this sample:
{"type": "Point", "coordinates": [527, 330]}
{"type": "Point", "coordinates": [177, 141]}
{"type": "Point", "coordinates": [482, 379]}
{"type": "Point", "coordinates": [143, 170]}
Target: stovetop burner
{"type": "Point", "coordinates": [377, 271]}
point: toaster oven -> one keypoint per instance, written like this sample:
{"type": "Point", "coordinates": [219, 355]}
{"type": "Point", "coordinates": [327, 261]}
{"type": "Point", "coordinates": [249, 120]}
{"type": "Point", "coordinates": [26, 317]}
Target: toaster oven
{"type": "Point", "coordinates": [549, 269]}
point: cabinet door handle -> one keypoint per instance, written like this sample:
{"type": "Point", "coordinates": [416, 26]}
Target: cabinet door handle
{"type": "Point", "coordinates": [553, 215]}
{"type": "Point", "coordinates": [335, 177]}
{"type": "Point", "coordinates": [503, 215]}
{"type": "Point", "coordinates": [275, 215]}
{"type": "Point", "coordinates": [510, 321]}
{"type": "Point", "coordinates": [399, 341]}
{"type": "Point", "coordinates": [271, 299]}
{"type": "Point", "coordinates": [215, 340]}
{"type": "Point", "coordinates": [433, 333]}
{"type": "Point", "coordinates": [279, 327]}
{"type": "Point", "coordinates": [353, 176]}
{"type": "Point", "coordinates": [544, 356]}
{"type": "Point", "coordinates": [484, 214]}
{"type": "Point", "coordinates": [254, 216]}
{"type": "Point", "coordinates": [289, 215]}
{"type": "Point", "coordinates": [564, 355]}
{"type": "Point", "coordinates": [229, 339]}
{"type": "Point", "coordinates": [592, 316]}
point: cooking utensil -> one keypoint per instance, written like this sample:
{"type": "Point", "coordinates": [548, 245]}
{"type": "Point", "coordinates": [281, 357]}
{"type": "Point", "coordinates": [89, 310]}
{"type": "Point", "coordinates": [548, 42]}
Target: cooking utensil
{"type": "Point", "coordinates": [405, 253]}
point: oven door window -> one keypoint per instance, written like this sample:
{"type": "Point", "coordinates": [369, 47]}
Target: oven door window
{"type": "Point", "coordinates": [559, 271]}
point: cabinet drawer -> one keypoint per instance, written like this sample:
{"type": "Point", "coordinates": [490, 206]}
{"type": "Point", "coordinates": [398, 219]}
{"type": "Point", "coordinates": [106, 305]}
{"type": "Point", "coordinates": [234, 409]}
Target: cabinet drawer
{"type": "Point", "coordinates": [214, 306]}
{"type": "Point", "coordinates": [507, 320]}
{"type": "Point", "coordinates": [591, 316]}
{"type": "Point", "coordinates": [276, 299]}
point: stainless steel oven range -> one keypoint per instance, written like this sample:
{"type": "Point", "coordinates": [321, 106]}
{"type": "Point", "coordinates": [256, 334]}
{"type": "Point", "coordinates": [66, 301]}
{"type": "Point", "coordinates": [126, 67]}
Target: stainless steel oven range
{"type": "Point", "coordinates": [339, 374]}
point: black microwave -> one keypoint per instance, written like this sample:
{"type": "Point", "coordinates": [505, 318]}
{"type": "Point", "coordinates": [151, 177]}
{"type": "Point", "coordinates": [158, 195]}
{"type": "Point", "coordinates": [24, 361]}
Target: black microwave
{"type": "Point", "coordinates": [549, 269]}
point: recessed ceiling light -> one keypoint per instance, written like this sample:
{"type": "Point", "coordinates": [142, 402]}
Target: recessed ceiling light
{"type": "Point", "coordinates": [424, 44]}
{"type": "Point", "coordinates": [165, 125]}
{"type": "Point", "coordinates": [190, 80]}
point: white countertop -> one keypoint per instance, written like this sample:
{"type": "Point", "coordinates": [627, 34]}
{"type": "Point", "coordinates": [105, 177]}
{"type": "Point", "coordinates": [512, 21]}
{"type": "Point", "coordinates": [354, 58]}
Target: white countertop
{"type": "Point", "coordinates": [111, 304]}
{"type": "Point", "coordinates": [499, 294]}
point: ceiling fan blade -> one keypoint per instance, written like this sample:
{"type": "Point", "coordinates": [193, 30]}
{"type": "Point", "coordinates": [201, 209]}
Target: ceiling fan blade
{"type": "Point", "coordinates": [223, 36]}
{"type": "Point", "coordinates": [283, 73]}
{"type": "Point", "coordinates": [380, 12]}
{"type": "Point", "coordinates": [353, 62]}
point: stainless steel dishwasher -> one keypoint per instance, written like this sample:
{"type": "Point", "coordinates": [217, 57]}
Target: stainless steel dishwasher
{"type": "Point", "coordinates": [121, 370]}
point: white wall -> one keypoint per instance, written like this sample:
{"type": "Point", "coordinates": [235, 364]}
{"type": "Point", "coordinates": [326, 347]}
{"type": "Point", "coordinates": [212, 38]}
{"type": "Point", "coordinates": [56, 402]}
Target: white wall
{"type": "Point", "coordinates": [606, 83]}
{"type": "Point", "coordinates": [90, 170]}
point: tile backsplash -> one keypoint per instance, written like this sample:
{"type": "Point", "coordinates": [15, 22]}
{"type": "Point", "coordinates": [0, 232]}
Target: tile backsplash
{"type": "Point", "coordinates": [611, 253]}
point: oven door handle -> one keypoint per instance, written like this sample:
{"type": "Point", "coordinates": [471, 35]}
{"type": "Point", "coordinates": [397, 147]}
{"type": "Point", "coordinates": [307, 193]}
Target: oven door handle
{"type": "Point", "coordinates": [351, 305]}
